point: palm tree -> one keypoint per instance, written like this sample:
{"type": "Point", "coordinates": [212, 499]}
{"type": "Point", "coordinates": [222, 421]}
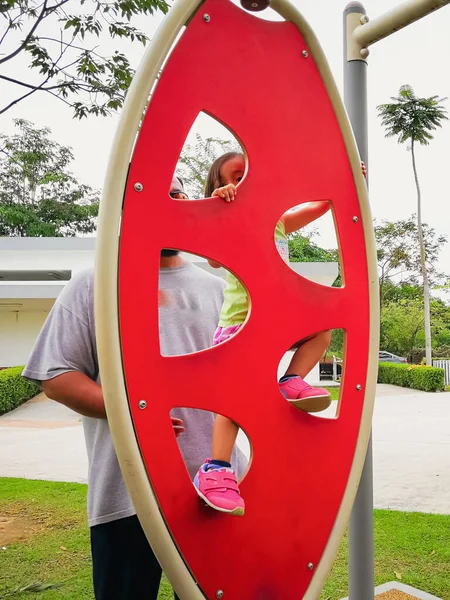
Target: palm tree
{"type": "Point", "coordinates": [412, 119]}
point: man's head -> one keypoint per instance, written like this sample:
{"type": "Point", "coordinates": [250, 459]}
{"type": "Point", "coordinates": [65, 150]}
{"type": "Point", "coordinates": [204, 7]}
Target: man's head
{"type": "Point", "coordinates": [177, 193]}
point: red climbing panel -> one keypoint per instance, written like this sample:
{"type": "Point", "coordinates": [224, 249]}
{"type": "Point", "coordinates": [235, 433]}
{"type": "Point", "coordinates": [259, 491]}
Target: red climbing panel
{"type": "Point", "coordinates": [251, 75]}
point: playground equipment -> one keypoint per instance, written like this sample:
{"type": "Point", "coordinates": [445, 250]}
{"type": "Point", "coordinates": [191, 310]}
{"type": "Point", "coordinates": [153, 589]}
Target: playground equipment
{"type": "Point", "coordinates": [292, 124]}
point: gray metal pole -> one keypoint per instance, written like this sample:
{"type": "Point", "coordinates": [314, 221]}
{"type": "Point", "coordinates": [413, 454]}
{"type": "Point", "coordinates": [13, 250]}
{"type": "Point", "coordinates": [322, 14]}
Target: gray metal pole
{"type": "Point", "coordinates": [360, 543]}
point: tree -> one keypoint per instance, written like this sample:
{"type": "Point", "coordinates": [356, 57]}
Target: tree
{"type": "Point", "coordinates": [399, 255]}
{"type": "Point", "coordinates": [196, 160]}
{"type": "Point", "coordinates": [401, 326]}
{"type": "Point", "coordinates": [39, 197]}
{"type": "Point", "coordinates": [67, 63]}
{"type": "Point", "coordinates": [303, 249]}
{"type": "Point", "coordinates": [412, 119]}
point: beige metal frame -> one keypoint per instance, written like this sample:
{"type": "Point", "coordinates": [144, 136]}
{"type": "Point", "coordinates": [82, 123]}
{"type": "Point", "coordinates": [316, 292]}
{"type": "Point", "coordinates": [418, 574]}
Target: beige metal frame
{"type": "Point", "coordinates": [106, 302]}
{"type": "Point", "coordinates": [367, 32]}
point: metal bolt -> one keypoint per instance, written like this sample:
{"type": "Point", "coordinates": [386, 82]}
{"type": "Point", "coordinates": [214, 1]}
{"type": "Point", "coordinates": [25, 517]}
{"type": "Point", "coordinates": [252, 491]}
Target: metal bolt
{"type": "Point", "coordinates": [364, 19]}
{"type": "Point", "coordinates": [138, 186]}
{"type": "Point", "coordinates": [142, 404]}
{"type": "Point", "coordinates": [310, 566]}
{"type": "Point", "coordinates": [305, 53]}
{"type": "Point", "coordinates": [359, 387]}
{"type": "Point", "coordinates": [355, 219]}
{"type": "Point", "coordinates": [364, 52]}
{"type": "Point", "coordinates": [206, 18]}
{"type": "Point", "coordinates": [219, 594]}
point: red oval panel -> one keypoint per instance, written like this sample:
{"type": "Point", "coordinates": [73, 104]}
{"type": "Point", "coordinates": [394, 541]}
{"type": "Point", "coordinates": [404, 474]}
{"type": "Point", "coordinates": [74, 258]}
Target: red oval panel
{"type": "Point", "coordinates": [251, 75]}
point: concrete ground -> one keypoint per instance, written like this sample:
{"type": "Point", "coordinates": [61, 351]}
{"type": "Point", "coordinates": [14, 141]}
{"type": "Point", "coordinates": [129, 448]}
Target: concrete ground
{"type": "Point", "coordinates": [44, 440]}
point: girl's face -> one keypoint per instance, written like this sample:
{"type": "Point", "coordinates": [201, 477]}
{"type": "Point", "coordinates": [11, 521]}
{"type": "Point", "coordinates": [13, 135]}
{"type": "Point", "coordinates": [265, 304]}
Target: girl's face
{"type": "Point", "coordinates": [232, 171]}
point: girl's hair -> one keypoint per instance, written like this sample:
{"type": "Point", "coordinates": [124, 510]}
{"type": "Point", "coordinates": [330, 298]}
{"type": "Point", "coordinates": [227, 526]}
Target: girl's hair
{"type": "Point", "coordinates": [213, 178]}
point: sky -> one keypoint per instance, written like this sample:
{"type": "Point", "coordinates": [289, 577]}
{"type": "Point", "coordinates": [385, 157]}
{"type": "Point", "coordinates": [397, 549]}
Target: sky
{"type": "Point", "coordinates": [418, 56]}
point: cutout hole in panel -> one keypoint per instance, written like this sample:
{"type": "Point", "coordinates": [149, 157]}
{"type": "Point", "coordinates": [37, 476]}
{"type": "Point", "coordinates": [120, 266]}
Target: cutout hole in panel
{"type": "Point", "coordinates": [311, 250]}
{"type": "Point", "coordinates": [198, 435]}
{"type": "Point", "coordinates": [207, 141]}
{"type": "Point", "coordinates": [318, 361]}
{"type": "Point", "coordinates": [193, 299]}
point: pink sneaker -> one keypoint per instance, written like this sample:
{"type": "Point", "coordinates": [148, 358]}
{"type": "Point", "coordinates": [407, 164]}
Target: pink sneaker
{"type": "Point", "coordinates": [218, 487]}
{"type": "Point", "coordinates": [305, 397]}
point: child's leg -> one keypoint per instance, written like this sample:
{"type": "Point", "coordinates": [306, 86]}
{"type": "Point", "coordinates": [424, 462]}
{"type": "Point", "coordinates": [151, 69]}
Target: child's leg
{"type": "Point", "coordinates": [216, 481]}
{"type": "Point", "coordinates": [224, 437]}
{"type": "Point", "coordinates": [296, 390]}
{"type": "Point", "coordinates": [309, 354]}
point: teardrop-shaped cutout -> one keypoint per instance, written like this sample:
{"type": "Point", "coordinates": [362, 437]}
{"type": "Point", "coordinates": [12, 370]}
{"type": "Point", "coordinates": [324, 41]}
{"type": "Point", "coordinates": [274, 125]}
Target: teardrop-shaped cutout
{"type": "Point", "coordinates": [194, 429]}
{"type": "Point", "coordinates": [203, 294]}
{"type": "Point", "coordinates": [207, 140]}
{"type": "Point", "coordinates": [306, 239]}
{"type": "Point", "coordinates": [310, 374]}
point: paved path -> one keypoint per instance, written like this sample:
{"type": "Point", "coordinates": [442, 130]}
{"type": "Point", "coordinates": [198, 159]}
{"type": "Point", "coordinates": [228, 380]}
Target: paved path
{"type": "Point", "coordinates": [44, 440]}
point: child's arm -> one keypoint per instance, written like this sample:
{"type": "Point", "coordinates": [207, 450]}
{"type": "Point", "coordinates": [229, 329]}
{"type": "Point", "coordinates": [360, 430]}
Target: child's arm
{"type": "Point", "coordinates": [306, 214]}
{"type": "Point", "coordinates": [213, 263]}
{"type": "Point", "coordinates": [227, 193]}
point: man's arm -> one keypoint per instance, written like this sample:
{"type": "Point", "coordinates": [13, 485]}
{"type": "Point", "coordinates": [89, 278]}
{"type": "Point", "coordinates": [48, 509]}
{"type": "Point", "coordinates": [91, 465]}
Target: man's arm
{"type": "Point", "coordinates": [78, 392]}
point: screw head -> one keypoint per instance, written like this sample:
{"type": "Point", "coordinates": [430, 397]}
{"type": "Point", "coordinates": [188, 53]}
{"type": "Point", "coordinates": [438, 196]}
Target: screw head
{"type": "Point", "coordinates": [142, 404]}
{"type": "Point", "coordinates": [206, 18]}
{"type": "Point", "coordinates": [364, 19]}
{"type": "Point", "coordinates": [138, 186]}
{"type": "Point", "coordinates": [364, 52]}
{"type": "Point", "coordinates": [355, 219]}
{"type": "Point", "coordinates": [310, 566]}
{"type": "Point", "coordinates": [305, 53]}
{"type": "Point", "coordinates": [359, 387]}
{"type": "Point", "coordinates": [219, 594]}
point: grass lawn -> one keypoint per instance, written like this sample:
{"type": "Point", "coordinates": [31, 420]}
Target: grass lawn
{"type": "Point", "coordinates": [334, 392]}
{"type": "Point", "coordinates": [52, 546]}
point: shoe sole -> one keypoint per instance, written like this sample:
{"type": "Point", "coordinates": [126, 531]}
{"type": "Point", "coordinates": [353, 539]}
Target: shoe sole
{"type": "Point", "coordinates": [311, 404]}
{"type": "Point", "coordinates": [236, 512]}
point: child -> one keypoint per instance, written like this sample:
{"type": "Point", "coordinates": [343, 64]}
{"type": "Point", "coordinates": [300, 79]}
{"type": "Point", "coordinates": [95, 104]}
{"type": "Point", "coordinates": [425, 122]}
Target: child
{"type": "Point", "coordinates": [215, 481]}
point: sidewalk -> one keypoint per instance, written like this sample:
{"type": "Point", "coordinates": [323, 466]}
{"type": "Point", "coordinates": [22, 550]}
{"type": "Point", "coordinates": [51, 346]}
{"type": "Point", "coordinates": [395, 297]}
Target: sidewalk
{"type": "Point", "coordinates": [43, 440]}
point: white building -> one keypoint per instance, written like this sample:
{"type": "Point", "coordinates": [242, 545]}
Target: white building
{"type": "Point", "coordinates": [33, 271]}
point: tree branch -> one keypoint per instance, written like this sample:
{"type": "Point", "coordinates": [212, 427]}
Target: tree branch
{"type": "Point", "coordinates": [34, 87]}
{"type": "Point", "coordinates": [29, 36]}
{"type": "Point", "coordinates": [11, 22]}
{"type": "Point", "coordinates": [17, 100]}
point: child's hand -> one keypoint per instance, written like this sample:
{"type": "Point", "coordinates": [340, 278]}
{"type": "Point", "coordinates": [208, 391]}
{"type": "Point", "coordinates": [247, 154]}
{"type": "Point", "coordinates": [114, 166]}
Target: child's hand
{"type": "Point", "coordinates": [364, 170]}
{"type": "Point", "coordinates": [227, 192]}
{"type": "Point", "coordinates": [178, 426]}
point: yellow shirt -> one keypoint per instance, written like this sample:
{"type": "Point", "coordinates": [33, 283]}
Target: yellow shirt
{"type": "Point", "coordinates": [235, 305]}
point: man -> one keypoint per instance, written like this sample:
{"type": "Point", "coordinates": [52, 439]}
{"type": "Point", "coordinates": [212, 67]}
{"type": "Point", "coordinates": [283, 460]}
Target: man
{"type": "Point", "coordinates": [64, 361]}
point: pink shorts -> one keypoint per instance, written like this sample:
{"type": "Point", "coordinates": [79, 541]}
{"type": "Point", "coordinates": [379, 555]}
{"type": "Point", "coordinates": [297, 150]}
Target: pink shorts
{"type": "Point", "coordinates": [222, 334]}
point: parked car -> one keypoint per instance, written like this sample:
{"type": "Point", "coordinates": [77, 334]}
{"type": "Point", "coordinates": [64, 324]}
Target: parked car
{"type": "Point", "coordinates": [389, 357]}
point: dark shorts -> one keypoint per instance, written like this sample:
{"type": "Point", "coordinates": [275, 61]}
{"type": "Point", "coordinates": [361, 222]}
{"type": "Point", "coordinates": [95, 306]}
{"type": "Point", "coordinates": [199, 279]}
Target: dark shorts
{"type": "Point", "coordinates": [124, 566]}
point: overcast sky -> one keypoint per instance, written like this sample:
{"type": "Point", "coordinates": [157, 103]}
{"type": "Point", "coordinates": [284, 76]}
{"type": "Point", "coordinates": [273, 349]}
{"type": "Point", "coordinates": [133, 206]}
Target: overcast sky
{"type": "Point", "coordinates": [418, 56]}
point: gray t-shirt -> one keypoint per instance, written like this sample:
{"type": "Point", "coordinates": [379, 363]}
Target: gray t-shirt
{"type": "Point", "coordinates": [67, 343]}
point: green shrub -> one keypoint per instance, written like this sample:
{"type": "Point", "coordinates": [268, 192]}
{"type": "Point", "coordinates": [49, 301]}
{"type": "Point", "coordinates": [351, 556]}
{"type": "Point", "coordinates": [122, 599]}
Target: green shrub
{"type": "Point", "coordinates": [428, 379]}
{"type": "Point", "coordinates": [14, 389]}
